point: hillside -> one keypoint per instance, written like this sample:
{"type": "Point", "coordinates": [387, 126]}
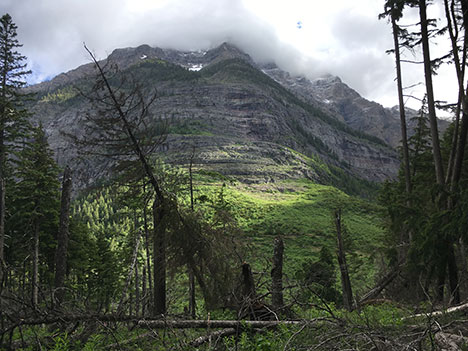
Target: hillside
{"type": "Point", "coordinates": [241, 122]}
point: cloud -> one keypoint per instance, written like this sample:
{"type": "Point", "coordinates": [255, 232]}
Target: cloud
{"type": "Point", "coordinates": [344, 39]}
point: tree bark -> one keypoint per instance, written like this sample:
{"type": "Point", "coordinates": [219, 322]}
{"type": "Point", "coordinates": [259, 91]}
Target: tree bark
{"type": "Point", "coordinates": [439, 170]}
{"type": "Point", "coordinates": [345, 282]}
{"type": "Point", "coordinates": [277, 275]}
{"type": "Point", "coordinates": [62, 237]}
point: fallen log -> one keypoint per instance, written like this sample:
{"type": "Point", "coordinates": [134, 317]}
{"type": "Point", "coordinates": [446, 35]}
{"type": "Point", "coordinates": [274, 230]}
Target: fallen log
{"type": "Point", "coordinates": [156, 323]}
{"type": "Point", "coordinates": [440, 312]}
{"type": "Point", "coordinates": [203, 324]}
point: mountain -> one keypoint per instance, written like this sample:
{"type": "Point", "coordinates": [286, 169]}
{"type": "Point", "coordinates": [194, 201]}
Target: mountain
{"type": "Point", "coordinates": [248, 121]}
{"type": "Point", "coordinates": [343, 103]}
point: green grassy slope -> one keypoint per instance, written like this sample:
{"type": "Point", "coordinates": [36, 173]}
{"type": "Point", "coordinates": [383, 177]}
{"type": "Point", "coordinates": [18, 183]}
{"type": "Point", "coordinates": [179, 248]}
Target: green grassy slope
{"type": "Point", "coordinates": [303, 214]}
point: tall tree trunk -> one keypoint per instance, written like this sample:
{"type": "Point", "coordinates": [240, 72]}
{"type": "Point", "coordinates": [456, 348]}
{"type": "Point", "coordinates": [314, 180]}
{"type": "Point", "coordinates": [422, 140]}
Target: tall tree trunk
{"type": "Point", "coordinates": [439, 169]}
{"type": "Point", "coordinates": [401, 104]}
{"type": "Point", "coordinates": [451, 25]}
{"type": "Point", "coordinates": [62, 237]}
{"type": "Point", "coordinates": [159, 258]}
{"type": "Point", "coordinates": [277, 275]}
{"type": "Point", "coordinates": [35, 265]}
{"type": "Point", "coordinates": [345, 281]}
{"type": "Point", "coordinates": [459, 155]}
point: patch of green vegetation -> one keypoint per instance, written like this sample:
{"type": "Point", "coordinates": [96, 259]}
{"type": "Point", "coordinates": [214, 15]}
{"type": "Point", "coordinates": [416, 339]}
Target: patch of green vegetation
{"type": "Point", "coordinates": [211, 177]}
{"type": "Point", "coordinates": [302, 213]}
{"type": "Point", "coordinates": [60, 95]}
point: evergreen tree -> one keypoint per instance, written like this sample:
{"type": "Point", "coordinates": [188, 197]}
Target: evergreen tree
{"type": "Point", "coordinates": [35, 201]}
{"type": "Point", "coordinates": [12, 115]}
{"type": "Point", "coordinates": [394, 10]}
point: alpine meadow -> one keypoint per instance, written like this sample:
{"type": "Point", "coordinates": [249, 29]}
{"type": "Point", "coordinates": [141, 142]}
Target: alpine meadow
{"type": "Point", "coordinates": [169, 199]}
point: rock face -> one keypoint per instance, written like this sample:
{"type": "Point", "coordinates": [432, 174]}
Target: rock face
{"type": "Point", "coordinates": [245, 123]}
{"type": "Point", "coordinates": [345, 104]}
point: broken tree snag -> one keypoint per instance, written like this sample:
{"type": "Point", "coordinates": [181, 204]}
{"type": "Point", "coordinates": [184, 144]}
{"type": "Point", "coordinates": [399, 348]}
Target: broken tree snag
{"type": "Point", "coordinates": [62, 237]}
{"type": "Point", "coordinates": [277, 274]}
{"type": "Point", "coordinates": [251, 307]}
{"type": "Point", "coordinates": [248, 294]}
{"type": "Point", "coordinates": [248, 285]}
{"type": "Point", "coordinates": [345, 282]}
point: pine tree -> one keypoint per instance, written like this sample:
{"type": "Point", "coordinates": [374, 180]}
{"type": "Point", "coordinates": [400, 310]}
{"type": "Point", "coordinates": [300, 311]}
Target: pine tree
{"type": "Point", "coordinates": [12, 115]}
{"type": "Point", "coordinates": [36, 198]}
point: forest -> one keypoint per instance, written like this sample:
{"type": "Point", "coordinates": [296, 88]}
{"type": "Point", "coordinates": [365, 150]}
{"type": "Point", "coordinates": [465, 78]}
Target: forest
{"type": "Point", "coordinates": [158, 256]}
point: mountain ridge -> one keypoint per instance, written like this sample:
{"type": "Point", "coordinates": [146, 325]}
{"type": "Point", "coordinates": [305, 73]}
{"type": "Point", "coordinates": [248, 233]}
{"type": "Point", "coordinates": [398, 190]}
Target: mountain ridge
{"type": "Point", "coordinates": [224, 90]}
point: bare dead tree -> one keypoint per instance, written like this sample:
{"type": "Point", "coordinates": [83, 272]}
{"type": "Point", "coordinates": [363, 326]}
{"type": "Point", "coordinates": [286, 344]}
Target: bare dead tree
{"type": "Point", "coordinates": [121, 128]}
{"type": "Point", "coordinates": [277, 274]}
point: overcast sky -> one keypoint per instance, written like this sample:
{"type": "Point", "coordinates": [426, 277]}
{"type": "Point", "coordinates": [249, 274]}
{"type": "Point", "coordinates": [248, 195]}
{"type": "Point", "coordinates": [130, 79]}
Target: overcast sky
{"type": "Point", "coordinates": [308, 37]}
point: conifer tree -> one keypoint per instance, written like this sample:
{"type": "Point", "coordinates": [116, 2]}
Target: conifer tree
{"type": "Point", "coordinates": [36, 197]}
{"type": "Point", "coordinates": [12, 115]}
{"type": "Point", "coordinates": [394, 10]}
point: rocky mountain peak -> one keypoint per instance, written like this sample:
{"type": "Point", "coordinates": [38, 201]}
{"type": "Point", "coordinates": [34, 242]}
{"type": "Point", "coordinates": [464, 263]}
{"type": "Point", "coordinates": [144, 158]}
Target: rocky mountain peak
{"type": "Point", "coordinates": [243, 123]}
